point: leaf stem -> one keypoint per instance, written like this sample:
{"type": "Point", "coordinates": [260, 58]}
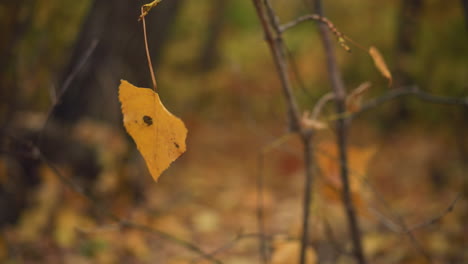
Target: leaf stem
{"type": "Point", "coordinates": [148, 57]}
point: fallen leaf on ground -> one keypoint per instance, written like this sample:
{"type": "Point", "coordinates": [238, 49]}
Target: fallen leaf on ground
{"type": "Point", "coordinates": [286, 252]}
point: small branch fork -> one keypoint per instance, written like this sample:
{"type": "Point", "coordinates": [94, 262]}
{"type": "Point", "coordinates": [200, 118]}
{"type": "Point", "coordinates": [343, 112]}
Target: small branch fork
{"type": "Point", "coordinates": [315, 17]}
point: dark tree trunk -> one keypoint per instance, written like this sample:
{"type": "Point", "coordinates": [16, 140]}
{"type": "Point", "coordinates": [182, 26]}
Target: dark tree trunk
{"type": "Point", "coordinates": [409, 20]}
{"type": "Point", "coordinates": [408, 29]}
{"type": "Point", "coordinates": [13, 25]}
{"type": "Point", "coordinates": [465, 11]}
{"type": "Point", "coordinates": [119, 54]}
{"type": "Point", "coordinates": [209, 54]}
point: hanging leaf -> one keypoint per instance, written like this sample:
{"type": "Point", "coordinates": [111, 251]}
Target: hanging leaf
{"type": "Point", "coordinates": [380, 64]}
{"type": "Point", "coordinates": [159, 135]}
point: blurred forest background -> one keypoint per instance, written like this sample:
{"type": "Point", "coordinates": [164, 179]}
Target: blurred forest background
{"type": "Point", "coordinates": [61, 62]}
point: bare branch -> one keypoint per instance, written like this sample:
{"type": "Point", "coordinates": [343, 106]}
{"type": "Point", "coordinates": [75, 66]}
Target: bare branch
{"type": "Point", "coordinates": [438, 217]}
{"type": "Point", "coordinates": [341, 129]}
{"type": "Point", "coordinates": [276, 44]}
{"type": "Point", "coordinates": [273, 36]}
{"type": "Point", "coordinates": [321, 104]}
{"type": "Point", "coordinates": [299, 20]}
{"type": "Point", "coordinates": [397, 229]}
{"type": "Point", "coordinates": [404, 229]}
{"type": "Point", "coordinates": [316, 17]}
{"type": "Point", "coordinates": [413, 91]}
{"type": "Point", "coordinates": [58, 96]}
{"type": "Point", "coordinates": [166, 236]}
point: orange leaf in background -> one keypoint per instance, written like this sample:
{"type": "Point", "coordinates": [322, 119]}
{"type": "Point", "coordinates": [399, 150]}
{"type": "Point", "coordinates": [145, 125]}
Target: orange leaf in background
{"type": "Point", "coordinates": [158, 134]}
{"type": "Point", "coordinates": [328, 161]}
{"type": "Point", "coordinates": [286, 252]}
{"type": "Point", "coordinates": [380, 64]}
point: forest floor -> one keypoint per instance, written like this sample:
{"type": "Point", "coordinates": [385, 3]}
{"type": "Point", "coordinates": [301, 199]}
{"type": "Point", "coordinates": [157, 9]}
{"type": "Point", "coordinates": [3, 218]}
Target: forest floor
{"type": "Point", "coordinates": [209, 198]}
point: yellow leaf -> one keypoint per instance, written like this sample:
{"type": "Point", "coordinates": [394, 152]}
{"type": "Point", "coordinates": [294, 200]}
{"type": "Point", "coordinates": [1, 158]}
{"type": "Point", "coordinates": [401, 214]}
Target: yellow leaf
{"type": "Point", "coordinates": [158, 134]}
{"type": "Point", "coordinates": [380, 64]}
{"type": "Point", "coordinates": [330, 183]}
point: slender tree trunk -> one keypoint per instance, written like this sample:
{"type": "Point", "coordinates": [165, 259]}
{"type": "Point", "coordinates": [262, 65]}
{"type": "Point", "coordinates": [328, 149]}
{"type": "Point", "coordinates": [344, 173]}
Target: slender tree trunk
{"type": "Point", "coordinates": [339, 90]}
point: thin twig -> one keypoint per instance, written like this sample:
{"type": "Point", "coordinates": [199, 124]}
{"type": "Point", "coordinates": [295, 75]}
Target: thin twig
{"type": "Point", "coordinates": [413, 91]}
{"type": "Point", "coordinates": [341, 129]}
{"type": "Point", "coordinates": [77, 70]}
{"type": "Point", "coordinates": [148, 57]}
{"type": "Point", "coordinates": [438, 217]}
{"type": "Point", "coordinates": [400, 222]}
{"type": "Point", "coordinates": [65, 86]}
{"type": "Point", "coordinates": [401, 228]}
{"type": "Point", "coordinates": [263, 248]}
{"type": "Point", "coordinates": [412, 238]}
{"type": "Point", "coordinates": [390, 224]}
{"type": "Point", "coordinates": [319, 18]}
{"type": "Point", "coordinates": [260, 208]}
{"type": "Point", "coordinates": [170, 238]}
{"type": "Point", "coordinates": [321, 104]}
{"type": "Point", "coordinates": [299, 20]}
{"type": "Point", "coordinates": [276, 45]}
